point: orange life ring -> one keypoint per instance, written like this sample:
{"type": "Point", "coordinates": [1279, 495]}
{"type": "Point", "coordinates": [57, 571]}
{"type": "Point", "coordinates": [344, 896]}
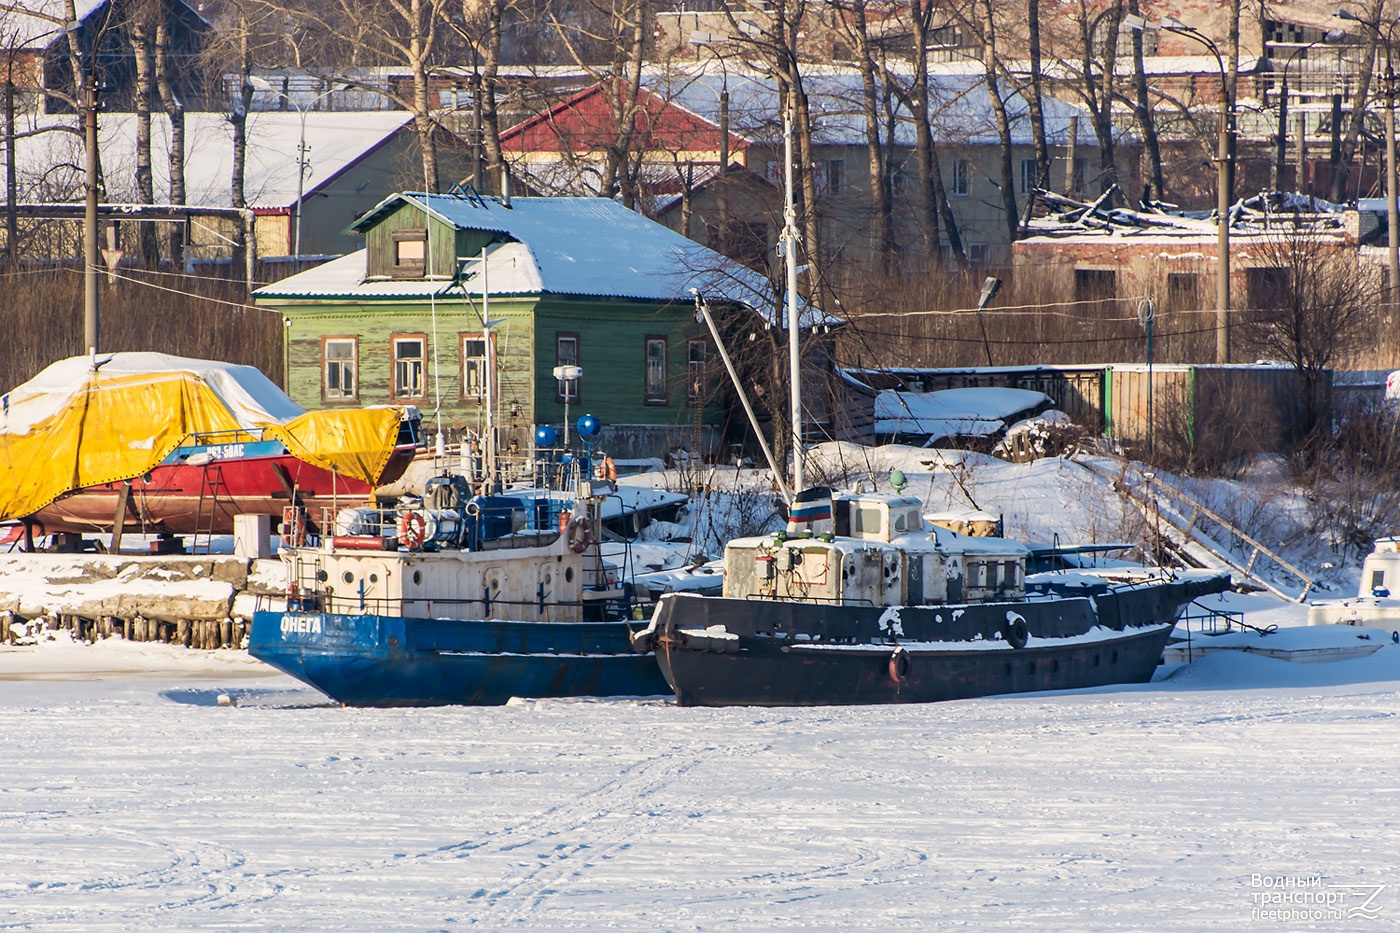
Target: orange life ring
{"type": "Point", "coordinates": [899, 665]}
{"type": "Point", "coordinates": [579, 534]}
{"type": "Point", "coordinates": [411, 527]}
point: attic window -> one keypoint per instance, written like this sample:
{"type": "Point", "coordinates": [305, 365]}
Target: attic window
{"type": "Point", "coordinates": [410, 252]}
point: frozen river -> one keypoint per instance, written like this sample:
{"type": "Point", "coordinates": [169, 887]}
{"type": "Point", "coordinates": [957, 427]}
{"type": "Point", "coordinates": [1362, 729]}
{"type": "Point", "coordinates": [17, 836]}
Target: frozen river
{"type": "Point", "coordinates": [1238, 786]}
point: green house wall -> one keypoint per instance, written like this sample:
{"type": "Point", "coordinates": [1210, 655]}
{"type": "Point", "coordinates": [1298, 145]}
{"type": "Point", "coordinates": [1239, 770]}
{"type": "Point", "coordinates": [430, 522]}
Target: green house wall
{"type": "Point", "coordinates": [612, 347]}
{"type": "Point", "coordinates": [612, 353]}
{"type": "Point", "coordinates": [612, 335]}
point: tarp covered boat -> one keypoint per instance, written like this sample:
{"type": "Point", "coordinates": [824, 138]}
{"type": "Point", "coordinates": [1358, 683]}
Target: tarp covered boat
{"type": "Point", "coordinates": [196, 441]}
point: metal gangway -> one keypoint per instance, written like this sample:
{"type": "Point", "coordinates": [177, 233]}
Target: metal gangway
{"type": "Point", "coordinates": [1162, 504]}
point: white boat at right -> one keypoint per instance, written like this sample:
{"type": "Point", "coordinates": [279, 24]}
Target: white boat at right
{"type": "Point", "coordinates": [1373, 604]}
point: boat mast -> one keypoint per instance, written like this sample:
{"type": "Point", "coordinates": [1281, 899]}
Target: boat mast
{"type": "Point", "coordinates": [702, 307]}
{"type": "Point", "coordinates": [489, 450]}
{"type": "Point", "coordinates": [790, 260]}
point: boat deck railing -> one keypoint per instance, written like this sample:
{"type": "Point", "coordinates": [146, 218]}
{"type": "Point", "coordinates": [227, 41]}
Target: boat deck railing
{"type": "Point", "coordinates": [486, 606]}
{"type": "Point", "coordinates": [823, 600]}
{"type": "Point", "coordinates": [1206, 620]}
{"type": "Point", "coordinates": [481, 528]}
{"type": "Point", "coordinates": [227, 436]}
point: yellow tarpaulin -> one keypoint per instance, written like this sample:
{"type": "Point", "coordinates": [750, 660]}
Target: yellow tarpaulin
{"type": "Point", "coordinates": [351, 442]}
{"type": "Point", "coordinates": [87, 421]}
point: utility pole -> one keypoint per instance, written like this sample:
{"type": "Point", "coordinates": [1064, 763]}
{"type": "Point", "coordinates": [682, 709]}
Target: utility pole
{"type": "Point", "coordinates": [91, 343]}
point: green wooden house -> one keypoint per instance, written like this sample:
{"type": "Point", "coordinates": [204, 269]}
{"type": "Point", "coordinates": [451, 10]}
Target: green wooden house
{"type": "Point", "coordinates": [549, 282]}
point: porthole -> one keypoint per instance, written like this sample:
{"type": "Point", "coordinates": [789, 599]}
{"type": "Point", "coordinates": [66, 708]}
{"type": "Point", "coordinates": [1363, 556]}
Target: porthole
{"type": "Point", "coordinates": [568, 575]}
{"type": "Point", "coordinates": [348, 577]}
{"type": "Point", "coordinates": [374, 578]}
{"type": "Point", "coordinates": [322, 576]}
{"type": "Point", "coordinates": [417, 577]}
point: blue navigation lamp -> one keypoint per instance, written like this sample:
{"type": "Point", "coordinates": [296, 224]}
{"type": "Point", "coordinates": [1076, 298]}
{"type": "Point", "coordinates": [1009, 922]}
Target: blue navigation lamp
{"type": "Point", "coordinates": [589, 428]}
{"type": "Point", "coordinates": [545, 436]}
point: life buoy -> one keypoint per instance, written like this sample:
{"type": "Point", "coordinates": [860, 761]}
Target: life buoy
{"type": "Point", "coordinates": [1014, 631]}
{"type": "Point", "coordinates": [579, 534]}
{"type": "Point", "coordinates": [899, 665]}
{"type": "Point", "coordinates": [411, 527]}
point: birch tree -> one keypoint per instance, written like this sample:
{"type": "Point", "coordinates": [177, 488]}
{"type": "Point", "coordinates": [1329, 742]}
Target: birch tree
{"type": "Point", "coordinates": [391, 32]}
{"type": "Point", "coordinates": [852, 20]}
{"type": "Point", "coordinates": [620, 28]}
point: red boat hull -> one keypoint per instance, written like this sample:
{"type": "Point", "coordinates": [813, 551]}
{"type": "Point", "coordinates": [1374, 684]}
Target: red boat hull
{"type": "Point", "coordinates": [186, 499]}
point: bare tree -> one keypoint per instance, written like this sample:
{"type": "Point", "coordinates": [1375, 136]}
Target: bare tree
{"type": "Point", "coordinates": [1375, 13]}
{"type": "Point", "coordinates": [986, 22]}
{"type": "Point", "coordinates": [1310, 303]}
{"type": "Point", "coordinates": [852, 19]}
{"type": "Point", "coordinates": [396, 32]}
{"type": "Point", "coordinates": [174, 109]}
{"type": "Point", "coordinates": [140, 28]}
{"type": "Point", "coordinates": [1143, 109]}
{"type": "Point", "coordinates": [932, 197]}
{"type": "Point", "coordinates": [482, 26]}
{"type": "Point", "coordinates": [621, 28]}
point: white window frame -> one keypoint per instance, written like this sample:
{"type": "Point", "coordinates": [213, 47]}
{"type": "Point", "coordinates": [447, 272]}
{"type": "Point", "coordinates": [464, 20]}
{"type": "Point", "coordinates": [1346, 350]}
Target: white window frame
{"type": "Point", "coordinates": [654, 370]}
{"type": "Point", "coordinates": [409, 371]}
{"type": "Point", "coordinates": [474, 366]}
{"type": "Point", "coordinates": [1030, 177]}
{"type": "Point", "coordinates": [962, 172]}
{"type": "Point", "coordinates": [338, 370]}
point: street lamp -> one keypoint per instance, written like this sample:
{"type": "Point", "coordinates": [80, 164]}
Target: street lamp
{"type": "Point", "coordinates": [1222, 204]}
{"type": "Point", "coordinates": [1281, 143]}
{"type": "Point", "coordinates": [1392, 211]}
{"type": "Point", "coordinates": [568, 376]}
{"type": "Point", "coordinates": [303, 162]}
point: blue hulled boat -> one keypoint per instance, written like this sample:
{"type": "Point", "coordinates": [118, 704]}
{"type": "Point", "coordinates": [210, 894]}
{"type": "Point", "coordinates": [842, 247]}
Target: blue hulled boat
{"type": "Point", "coordinates": [469, 603]}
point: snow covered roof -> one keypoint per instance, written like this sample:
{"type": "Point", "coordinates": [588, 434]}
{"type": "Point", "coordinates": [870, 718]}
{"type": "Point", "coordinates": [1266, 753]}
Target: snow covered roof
{"type": "Point", "coordinates": [590, 247]}
{"type": "Point", "coordinates": [37, 23]}
{"type": "Point", "coordinates": [50, 164]}
{"type": "Point", "coordinates": [961, 109]}
{"type": "Point", "coordinates": [973, 412]}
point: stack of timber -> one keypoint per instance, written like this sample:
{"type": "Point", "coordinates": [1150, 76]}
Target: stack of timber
{"type": "Point", "coordinates": [203, 601]}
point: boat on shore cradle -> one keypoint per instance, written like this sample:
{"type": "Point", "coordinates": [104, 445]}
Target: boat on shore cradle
{"type": "Point", "coordinates": [155, 444]}
{"type": "Point", "coordinates": [456, 599]}
{"type": "Point", "coordinates": [877, 606]}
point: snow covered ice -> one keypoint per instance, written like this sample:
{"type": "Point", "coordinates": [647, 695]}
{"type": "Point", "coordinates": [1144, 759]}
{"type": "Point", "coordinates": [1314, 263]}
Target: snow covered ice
{"type": "Point", "coordinates": [132, 796]}
{"type": "Point", "coordinates": [135, 800]}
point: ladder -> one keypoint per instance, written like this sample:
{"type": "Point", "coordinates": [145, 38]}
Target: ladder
{"type": "Point", "coordinates": [210, 484]}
